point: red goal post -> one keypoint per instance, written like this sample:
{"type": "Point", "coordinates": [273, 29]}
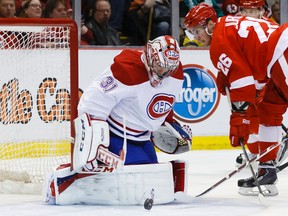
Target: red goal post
{"type": "Point", "coordinates": [38, 96]}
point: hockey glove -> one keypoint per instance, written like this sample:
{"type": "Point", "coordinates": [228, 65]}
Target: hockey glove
{"type": "Point", "coordinates": [172, 138]}
{"type": "Point", "coordinates": [239, 128]}
{"type": "Point", "coordinates": [222, 82]}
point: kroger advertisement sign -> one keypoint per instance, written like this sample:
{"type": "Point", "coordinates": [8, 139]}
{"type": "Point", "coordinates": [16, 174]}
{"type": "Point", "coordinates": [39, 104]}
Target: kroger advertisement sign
{"type": "Point", "coordinates": [199, 97]}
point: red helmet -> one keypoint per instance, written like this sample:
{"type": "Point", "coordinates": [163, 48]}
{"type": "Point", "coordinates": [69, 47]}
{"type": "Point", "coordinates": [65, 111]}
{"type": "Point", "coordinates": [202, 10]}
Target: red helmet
{"type": "Point", "coordinates": [251, 3]}
{"type": "Point", "coordinates": [200, 15]}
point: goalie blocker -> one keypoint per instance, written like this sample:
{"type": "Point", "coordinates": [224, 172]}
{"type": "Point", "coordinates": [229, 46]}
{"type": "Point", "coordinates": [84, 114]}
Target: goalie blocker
{"type": "Point", "coordinates": [128, 185]}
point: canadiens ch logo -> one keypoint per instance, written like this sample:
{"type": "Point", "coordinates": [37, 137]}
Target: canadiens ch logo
{"type": "Point", "coordinates": [160, 105]}
{"type": "Point", "coordinates": [199, 97]}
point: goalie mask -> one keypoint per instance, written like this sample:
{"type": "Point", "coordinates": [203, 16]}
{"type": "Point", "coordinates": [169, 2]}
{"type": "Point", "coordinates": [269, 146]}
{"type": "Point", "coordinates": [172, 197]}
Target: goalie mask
{"type": "Point", "coordinates": [161, 58]}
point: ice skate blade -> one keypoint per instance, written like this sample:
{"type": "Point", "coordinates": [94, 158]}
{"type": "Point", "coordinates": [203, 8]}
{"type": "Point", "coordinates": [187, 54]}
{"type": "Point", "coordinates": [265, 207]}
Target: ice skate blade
{"type": "Point", "coordinates": [268, 190]}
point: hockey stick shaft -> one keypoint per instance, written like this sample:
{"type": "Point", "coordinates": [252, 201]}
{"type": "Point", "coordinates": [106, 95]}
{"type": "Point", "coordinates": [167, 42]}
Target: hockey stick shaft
{"type": "Point", "coordinates": [282, 167]}
{"type": "Point", "coordinates": [255, 158]}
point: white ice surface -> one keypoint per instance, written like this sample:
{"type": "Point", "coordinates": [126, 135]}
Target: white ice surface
{"type": "Point", "coordinates": [205, 169]}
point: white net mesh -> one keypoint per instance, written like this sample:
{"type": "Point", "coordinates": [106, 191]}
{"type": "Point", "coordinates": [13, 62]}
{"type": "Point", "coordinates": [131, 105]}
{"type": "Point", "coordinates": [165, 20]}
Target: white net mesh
{"type": "Point", "coordinates": [34, 101]}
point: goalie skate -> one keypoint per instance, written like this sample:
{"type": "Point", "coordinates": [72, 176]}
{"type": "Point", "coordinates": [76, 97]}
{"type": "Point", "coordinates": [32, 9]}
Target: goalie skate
{"type": "Point", "coordinates": [267, 179]}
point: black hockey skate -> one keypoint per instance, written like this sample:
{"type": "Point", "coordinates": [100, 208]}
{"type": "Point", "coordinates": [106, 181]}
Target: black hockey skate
{"type": "Point", "coordinates": [267, 179]}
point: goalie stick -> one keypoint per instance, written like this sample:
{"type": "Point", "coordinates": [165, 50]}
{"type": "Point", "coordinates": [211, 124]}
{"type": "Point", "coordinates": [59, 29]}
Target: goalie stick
{"type": "Point", "coordinates": [235, 171]}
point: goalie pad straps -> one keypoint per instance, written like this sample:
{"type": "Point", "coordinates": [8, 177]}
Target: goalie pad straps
{"type": "Point", "coordinates": [172, 139]}
{"type": "Point", "coordinates": [90, 135]}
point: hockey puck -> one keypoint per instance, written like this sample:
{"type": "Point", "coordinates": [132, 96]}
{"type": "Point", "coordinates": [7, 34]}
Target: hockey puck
{"type": "Point", "coordinates": [148, 204]}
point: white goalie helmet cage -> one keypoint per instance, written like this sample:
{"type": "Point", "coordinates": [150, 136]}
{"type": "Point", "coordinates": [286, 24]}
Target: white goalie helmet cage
{"type": "Point", "coordinates": [161, 58]}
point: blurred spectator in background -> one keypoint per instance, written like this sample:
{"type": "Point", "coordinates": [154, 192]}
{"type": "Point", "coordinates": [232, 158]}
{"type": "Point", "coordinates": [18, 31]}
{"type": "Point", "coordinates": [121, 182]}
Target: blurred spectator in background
{"type": "Point", "coordinates": [87, 9]}
{"type": "Point", "coordinates": [19, 5]}
{"type": "Point", "coordinates": [31, 9]}
{"type": "Point", "coordinates": [146, 20]}
{"type": "Point", "coordinates": [118, 9]}
{"type": "Point", "coordinates": [117, 12]}
{"type": "Point", "coordinates": [97, 31]}
{"type": "Point", "coordinates": [55, 9]}
{"type": "Point", "coordinates": [183, 10]}
{"type": "Point", "coordinates": [7, 8]}
{"type": "Point", "coordinates": [230, 7]}
{"type": "Point", "coordinates": [134, 23]}
{"type": "Point", "coordinates": [161, 19]}
{"type": "Point", "coordinates": [213, 3]}
{"type": "Point", "coordinates": [275, 10]}
{"type": "Point", "coordinates": [68, 5]}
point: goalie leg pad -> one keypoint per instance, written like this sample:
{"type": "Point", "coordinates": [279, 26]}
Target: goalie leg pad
{"type": "Point", "coordinates": [89, 135]}
{"type": "Point", "coordinates": [131, 185]}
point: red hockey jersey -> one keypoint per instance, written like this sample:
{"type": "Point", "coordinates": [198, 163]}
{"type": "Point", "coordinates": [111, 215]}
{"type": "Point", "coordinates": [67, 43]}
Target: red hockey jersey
{"type": "Point", "coordinates": [239, 49]}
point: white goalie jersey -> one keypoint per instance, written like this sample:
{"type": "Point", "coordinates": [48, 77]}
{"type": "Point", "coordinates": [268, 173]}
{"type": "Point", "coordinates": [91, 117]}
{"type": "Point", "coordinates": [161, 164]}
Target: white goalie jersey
{"type": "Point", "coordinates": [123, 91]}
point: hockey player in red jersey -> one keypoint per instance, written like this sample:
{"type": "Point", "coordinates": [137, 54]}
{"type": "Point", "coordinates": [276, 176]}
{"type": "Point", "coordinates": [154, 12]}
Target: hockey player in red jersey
{"type": "Point", "coordinates": [250, 53]}
{"type": "Point", "coordinates": [125, 111]}
{"type": "Point", "coordinates": [255, 9]}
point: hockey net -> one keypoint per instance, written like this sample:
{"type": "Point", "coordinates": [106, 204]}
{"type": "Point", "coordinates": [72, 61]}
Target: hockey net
{"type": "Point", "coordinates": [38, 99]}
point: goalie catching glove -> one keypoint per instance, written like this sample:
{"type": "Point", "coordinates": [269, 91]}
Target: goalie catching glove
{"type": "Point", "coordinates": [172, 138]}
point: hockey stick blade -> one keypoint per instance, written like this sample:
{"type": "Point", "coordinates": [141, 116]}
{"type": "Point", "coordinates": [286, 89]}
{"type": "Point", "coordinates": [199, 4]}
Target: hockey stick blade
{"type": "Point", "coordinates": [235, 171]}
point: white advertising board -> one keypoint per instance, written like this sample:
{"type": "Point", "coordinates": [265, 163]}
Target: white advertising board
{"type": "Point", "coordinates": [32, 95]}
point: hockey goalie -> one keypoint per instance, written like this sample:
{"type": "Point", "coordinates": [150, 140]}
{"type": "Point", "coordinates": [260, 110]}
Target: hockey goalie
{"type": "Point", "coordinates": [123, 115]}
